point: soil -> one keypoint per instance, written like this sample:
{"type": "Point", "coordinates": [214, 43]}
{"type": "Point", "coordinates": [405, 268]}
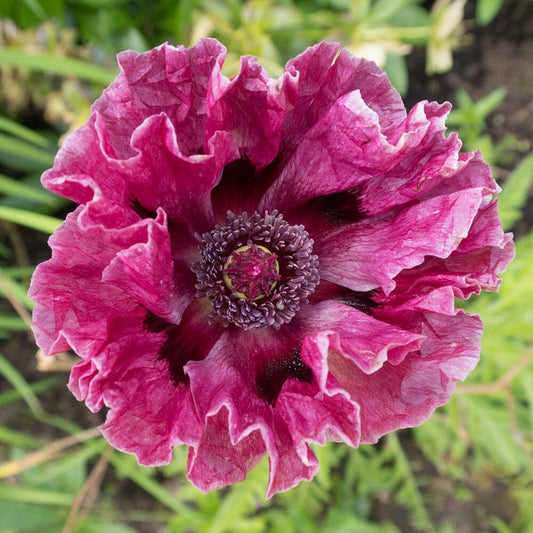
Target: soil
{"type": "Point", "coordinates": [499, 55]}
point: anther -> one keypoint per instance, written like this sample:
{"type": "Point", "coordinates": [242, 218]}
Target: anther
{"type": "Point", "coordinates": [256, 271]}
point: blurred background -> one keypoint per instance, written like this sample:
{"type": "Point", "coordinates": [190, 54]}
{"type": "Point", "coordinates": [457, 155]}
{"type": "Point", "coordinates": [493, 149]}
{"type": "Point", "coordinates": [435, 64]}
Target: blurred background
{"type": "Point", "coordinates": [468, 469]}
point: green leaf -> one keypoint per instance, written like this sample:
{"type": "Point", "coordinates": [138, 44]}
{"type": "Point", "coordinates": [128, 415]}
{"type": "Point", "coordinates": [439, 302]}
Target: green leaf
{"type": "Point", "coordinates": [409, 493]}
{"type": "Point", "coordinates": [40, 386]}
{"type": "Point", "coordinates": [20, 517]}
{"type": "Point", "coordinates": [16, 438]}
{"type": "Point", "coordinates": [13, 187]}
{"type": "Point", "coordinates": [12, 323]}
{"type": "Point", "coordinates": [397, 70]}
{"type": "Point", "coordinates": [22, 154]}
{"type": "Point", "coordinates": [183, 18]}
{"type": "Point", "coordinates": [89, 526]}
{"type": "Point", "coordinates": [14, 377]}
{"type": "Point", "coordinates": [139, 475]}
{"type": "Point", "coordinates": [515, 192]}
{"type": "Point", "coordinates": [98, 4]}
{"type": "Point", "coordinates": [31, 495]}
{"type": "Point", "coordinates": [35, 8]}
{"type": "Point", "coordinates": [18, 272]}
{"type": "Point", "coordinates": [36, 221]}
{"type": "Point", "coordinates": [17, 290]}
{"type": "Point", "coordinates": [16, 129]}
{"type": "Point", "coordinates": [489, 103]}
{"type": "Point", "coordinates": [51, 64]}
{"type": "Point", "coordinates": [490, 428]}
{"type": "Point", "coordinates": [486, 10]}
{"type": "Point", "coordinates": [68, 471]}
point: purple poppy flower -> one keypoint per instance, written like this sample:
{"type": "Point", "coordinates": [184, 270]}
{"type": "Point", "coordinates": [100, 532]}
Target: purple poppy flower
{"type": "Point", "coordinates": [258, 264]}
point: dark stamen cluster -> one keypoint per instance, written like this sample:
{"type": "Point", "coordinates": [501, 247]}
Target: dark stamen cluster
{"type": "Point", "coordinates": [290, 245]}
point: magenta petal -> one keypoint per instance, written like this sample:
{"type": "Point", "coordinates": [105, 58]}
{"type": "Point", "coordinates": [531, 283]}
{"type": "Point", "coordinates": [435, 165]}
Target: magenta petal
{"type": "Point", "coordinates": [219, 391]}
{"type": "Point", "coordinates": [68, 292]}
{"type": "Point", "coordinates": [419, 158]}
{"type": "Point", "coordinates": [145, 272]}
{"type": "Point", "coordinates": [405, 395]}
{"type": "Point", "coordinates": [149, 425]}
{"type": "Point", "coordinates": [170, 80]}
{"type": "Point", "coordinates": [370, 254]}
{"type": "Point", "coordinates": [289, 463]}
{"type": "Point", "coordinates": [331, 416]}
{"type": "Point", "coordinates": [321, 78]}
{"type": "Point", "coordinates": [151, 278]}
{"type": "Point", "coordinates": [85, 168]}
{"type": "Point", "coordinates": [343, 149]}
{"type": "Point", "coordinates": [251, 109]}
{"type": "Point", "coordinates": [474, 266]}
{"type": "Point", "coordinates": [363, 339]}
{"type": "Point", "coordinates": [81, 384]}
{"type": "Point", "coordinates": [148, 416]}
{"type": "Point", "coordinates": [308, 413]}
{"type": "Point", "coordinates": [236, 438]}
{"type": "Point", "coordinates": [68, 288]}
{"type": "Point", "coordinates": [164, 177]}
{"type": "Point", "coordinates": [218, 460]}
{"type": "Point", "coordinates": [166, 82]}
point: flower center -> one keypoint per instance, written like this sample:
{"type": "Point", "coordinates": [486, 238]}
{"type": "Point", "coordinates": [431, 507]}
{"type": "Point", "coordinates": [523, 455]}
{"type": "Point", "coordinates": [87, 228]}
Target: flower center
{"type": "Point", "coordinates": [256, 270]}
{"type": "Point", "coordinates": [251, 272]}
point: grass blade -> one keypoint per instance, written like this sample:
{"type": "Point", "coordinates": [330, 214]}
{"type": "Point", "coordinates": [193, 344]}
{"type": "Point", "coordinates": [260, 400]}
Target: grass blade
{"type": "Point", "coordinates": [11, 396]}
{"type": "Point", "coordinates": [27, 494]}
{"type": "Point", "coordinates": [50, 64]}
{"type": "Point", "coordinates": [36, 221]}
{"type": "Point", "coordinates": [16, 129]}
{"type": "Point", "coordinates": [15, 292]}
{"type": "Point", "coordinates": [19, 153]}
{"type": "Point", "coordinates": [12, 323]}
{"type": "Point", "coordinates": [13, 187]}
{"type": "Point", "coordinates": [21, 385]}
{"type": "Point", "coordinates": [16, 438]}
{"type": "Point", "coordinates": [134, 473]}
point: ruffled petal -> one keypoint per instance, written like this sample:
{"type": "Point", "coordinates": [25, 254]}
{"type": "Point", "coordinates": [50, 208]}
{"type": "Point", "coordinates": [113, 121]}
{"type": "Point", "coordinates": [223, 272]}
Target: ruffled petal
{"type": "Point", "coordinates": [78, 300]}
{"type": "Point", "coordinates": [162, 176]}
{"type": "Point", "coordinates": [251, 108]}
{"type": "Point", "coordinates": [343, 149]}
{"type": "Point", "coordinates": [220, 390]}
{"type": "Point", "coordinates": [319, 77]}
{"type": "Point", "coordinates": [148, 415]}
{"type": "Point", "coordinates": [474, 266]}
{"type": "Point", "coordinates": [170, 80]}
{"type": "Point", "coordinates": [68, 292]}
{"type": "Point", "coordinates": [405, 394]}
{"type": "Point", "coordinates": [142, 270]}
{"type": "Point", "coordinates": [224, 390]}
{"type": "Point", "coordinates": [146, 139]}
{"type": "Point", "coordinates": [369, 254]}
{"type": "Point", "coordinates": [363, 339]}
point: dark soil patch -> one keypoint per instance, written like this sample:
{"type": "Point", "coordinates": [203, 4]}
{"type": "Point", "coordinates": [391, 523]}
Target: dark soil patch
{"type": "Point", "coordinates": [498, 55]}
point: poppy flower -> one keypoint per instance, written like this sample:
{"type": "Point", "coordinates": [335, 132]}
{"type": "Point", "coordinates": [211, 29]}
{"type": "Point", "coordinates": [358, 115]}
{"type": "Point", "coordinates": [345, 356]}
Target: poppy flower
{"type": "Point", "coordinates": [258, 264]}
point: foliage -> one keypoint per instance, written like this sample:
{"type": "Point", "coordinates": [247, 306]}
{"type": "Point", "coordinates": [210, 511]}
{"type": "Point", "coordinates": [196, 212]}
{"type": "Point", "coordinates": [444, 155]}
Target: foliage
{"type": "Point", "coordinates": [486, 10]}
{"type": "Point", "coordinates": [57, 476]}
{"type": "Point", "coordinates": [274, 30]}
